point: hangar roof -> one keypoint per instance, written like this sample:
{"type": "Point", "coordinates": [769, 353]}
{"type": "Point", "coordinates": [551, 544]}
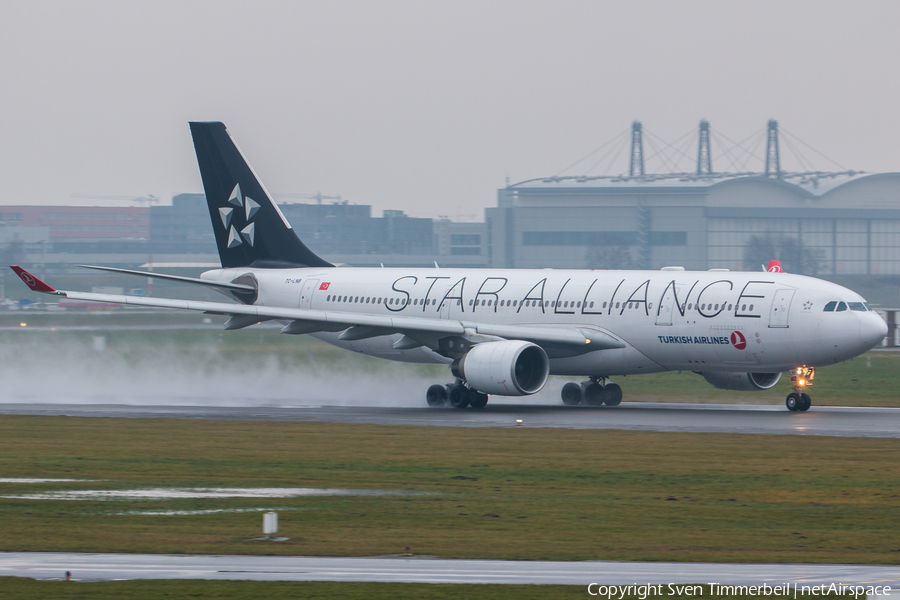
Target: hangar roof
{"type": "Point", "coordinates": [817, 183]}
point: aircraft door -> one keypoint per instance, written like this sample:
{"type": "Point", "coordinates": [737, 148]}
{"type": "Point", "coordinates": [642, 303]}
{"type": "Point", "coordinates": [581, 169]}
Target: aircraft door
{"type": "Point", "coordinates": [445, 309]}
{"type": "Point", "coordinates": [781, 308]}
{"type": "Point", "coordinates": [667, 304]}
{"type": "Point", "coordinates": [451, 308]}
{"type": "Point", "coordinates": [309, 287]}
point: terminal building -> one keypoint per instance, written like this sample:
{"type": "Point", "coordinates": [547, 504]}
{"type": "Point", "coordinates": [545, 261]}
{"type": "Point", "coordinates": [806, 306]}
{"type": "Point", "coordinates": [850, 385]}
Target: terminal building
{"type": "Point", "coordinates": [816, 223]}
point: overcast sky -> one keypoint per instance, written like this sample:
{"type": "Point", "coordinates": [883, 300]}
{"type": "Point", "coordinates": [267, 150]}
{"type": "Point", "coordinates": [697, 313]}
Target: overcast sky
{"type": "Point", "coordinates": [424, 106]}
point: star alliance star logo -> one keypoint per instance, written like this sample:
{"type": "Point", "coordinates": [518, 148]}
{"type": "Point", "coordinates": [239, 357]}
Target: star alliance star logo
{"type": "Point", "coordinates": [226, 212]}
{"type": "Point", "coordinates": [807, 305]}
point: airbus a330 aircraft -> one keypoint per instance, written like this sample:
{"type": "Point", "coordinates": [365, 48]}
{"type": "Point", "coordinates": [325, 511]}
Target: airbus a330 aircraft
{"type": "Point", "coordinates": [505, 331]}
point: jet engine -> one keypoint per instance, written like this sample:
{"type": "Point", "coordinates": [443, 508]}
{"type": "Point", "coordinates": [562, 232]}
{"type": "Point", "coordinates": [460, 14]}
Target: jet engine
{"type": "Point", "coordinates": [742, 382]}
{"type": "Point", "coordinates": [507, 368]}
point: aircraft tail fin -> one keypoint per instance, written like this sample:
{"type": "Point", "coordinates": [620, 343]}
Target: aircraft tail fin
{"type": "Point", "coordinates": [249, 227]}
{"type": "Point", "coordinates": [774, 266]}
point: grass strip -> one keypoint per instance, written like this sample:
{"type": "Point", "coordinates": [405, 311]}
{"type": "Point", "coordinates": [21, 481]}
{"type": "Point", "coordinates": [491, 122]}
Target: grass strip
{"type": "Point", "coordinates": [26, 589]}
{"type": "Point", "coordinates": [516, 493]}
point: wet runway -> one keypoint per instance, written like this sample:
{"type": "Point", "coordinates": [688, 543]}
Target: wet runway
{"type": "Point", "coordinates": [828, 421]}
{"type": "Point", "coordinates": [45, 565]}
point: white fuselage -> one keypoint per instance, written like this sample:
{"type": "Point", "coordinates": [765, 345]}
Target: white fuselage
{"type": "Point", "coordinates": [668, 320]}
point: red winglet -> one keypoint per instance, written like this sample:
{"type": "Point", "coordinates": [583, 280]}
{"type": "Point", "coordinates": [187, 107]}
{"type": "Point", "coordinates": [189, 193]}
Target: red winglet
{"type": "Point", "coordinates": [33, 283]}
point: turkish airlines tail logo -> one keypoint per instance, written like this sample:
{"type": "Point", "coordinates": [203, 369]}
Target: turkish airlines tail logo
{"type": "Point", "coordinates": [27, 278]}
{"type": "Point", "coordinates": [33, 283]}
{"type": "Point", "coordinates": [774, 266]}
{"type": "Point", "coordinates": [738, 340]}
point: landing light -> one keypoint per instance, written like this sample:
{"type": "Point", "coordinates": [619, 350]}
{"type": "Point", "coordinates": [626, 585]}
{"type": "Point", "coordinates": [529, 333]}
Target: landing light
{"type": "Point", "coordinates": [801, 382]}
{"type": "Point", "coordinates": [23, 324]}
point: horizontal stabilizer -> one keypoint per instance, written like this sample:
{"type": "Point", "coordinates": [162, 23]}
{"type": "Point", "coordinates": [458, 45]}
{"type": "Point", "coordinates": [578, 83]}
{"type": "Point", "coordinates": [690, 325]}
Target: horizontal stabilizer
{"type": "Point", "coordinates": [237, 287]}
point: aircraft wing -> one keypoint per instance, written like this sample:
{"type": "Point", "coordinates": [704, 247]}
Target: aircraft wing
{"type": "Point", "coordinates": [354, 326]}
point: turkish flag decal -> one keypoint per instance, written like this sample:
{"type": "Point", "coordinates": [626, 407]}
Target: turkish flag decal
{"type": "Point", "coordinates": [325, 285]}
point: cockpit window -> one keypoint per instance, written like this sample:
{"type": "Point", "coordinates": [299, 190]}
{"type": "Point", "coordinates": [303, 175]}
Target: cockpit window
{"type": "Point", "coordinates": [858, 306]}
{"type": "Point", "coordinates": [830, 306]}
{"type": "Point", "coordinates": [841, 306]}
{"type": "Point", "coordinates": [866, 304]}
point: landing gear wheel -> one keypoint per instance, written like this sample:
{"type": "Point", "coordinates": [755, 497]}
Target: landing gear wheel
{"type": "Point", "coordinates": [793, 402]}
{"type": "Point", "coordinates": [436, 396]}
{"type": "Point", "coordinates": [605, 397]}
{"type": "Point", "coordinates": [612, 394]}
{"type": "Point", "coordinates": [593, 394]}
{"type": "Point", "coordinates": [801, 378]}
{"type": "Point", "coordinates": [458, 396]}
{"type": "Point", "coordinates": [571, 394]}
{"type": "Point", "coordinates": [478, 400]}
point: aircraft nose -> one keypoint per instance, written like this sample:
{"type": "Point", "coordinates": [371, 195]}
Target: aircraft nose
{"type": "Point", "coordinates": [872, 329]}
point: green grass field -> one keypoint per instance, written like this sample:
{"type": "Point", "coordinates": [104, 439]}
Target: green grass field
{"type": "Point", "coordinates": [196, 356]}
{"type": "Point", "coordinates": [488, 493]}
{"type": "Point", "coordinates": [25, 589]}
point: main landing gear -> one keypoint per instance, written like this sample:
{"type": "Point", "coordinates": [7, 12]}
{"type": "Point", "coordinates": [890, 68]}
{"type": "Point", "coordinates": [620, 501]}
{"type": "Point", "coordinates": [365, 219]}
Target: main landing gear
{"type": "Point", "coordinates": [457, 395]}
{"type": "Point", "coordinates": [594, 392]}
{"type": "Point", "coordinates": [799, 400]}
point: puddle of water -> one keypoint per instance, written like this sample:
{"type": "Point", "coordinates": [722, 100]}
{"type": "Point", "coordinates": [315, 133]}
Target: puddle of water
{"type": "Point", "coordinates": [169, 513]}
{"type": "Point", "coordinates": [194, 493]}
{"type": "Point", "coordinates": [39, 480]}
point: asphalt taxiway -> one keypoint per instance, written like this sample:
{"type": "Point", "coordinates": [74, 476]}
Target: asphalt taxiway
{"type": "Point", "coordinates": [723, 418]}
{"type": "Point", "coordinates": [50, 565]}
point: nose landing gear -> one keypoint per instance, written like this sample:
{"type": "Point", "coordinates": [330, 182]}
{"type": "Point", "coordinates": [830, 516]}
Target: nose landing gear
{"type": "Point", "coordinates": [594, 392]}
{"type": "Point", "coordinates": [801, 378]}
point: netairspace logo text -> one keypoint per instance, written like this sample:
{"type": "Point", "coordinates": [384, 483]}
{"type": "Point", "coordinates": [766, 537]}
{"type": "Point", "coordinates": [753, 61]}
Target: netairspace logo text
{"type": "Point", "coordinates": [619, 592]}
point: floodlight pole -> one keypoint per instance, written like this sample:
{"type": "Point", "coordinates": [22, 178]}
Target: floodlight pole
{"type": "Point", "coordinates": [773, 156]}
{"type": "Point", "coordinates": [636, 166]}
{"type": "Point", "coordinates": [704, 156]}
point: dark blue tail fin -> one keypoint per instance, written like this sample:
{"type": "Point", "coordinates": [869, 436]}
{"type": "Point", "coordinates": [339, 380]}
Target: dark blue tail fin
{"type": "Point", "coordinates": [250, 229]}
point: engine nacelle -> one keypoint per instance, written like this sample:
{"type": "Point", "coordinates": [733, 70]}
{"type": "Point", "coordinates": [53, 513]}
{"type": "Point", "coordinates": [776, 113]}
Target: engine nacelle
{"type": "Point", "coordinates": [742, 382]}
{"type": "Point", "coordinates": [508, 368]}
